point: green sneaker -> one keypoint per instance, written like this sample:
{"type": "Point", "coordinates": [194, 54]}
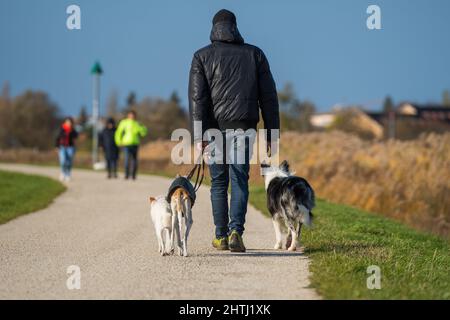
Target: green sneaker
{"type": "Point", "coordinates": [220, 243]}
{"type": "Point", "coordinates": [235, 242]}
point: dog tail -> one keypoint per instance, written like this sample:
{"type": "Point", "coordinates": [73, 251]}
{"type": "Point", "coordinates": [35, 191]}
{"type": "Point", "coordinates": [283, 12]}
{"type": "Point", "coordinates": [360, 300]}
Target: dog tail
{"type": "Point", "coordinates": [307, 219]}
{"type": "Point", "coordinates": [307, 216]}
{"type": "Point", "coordinates": [179, 203]}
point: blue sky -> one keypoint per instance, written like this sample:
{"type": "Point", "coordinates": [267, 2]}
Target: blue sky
{"type": "Point", "coordinates": [322, 46]}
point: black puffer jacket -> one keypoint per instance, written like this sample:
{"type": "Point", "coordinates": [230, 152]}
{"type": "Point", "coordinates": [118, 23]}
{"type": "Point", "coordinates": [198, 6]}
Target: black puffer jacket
{"type": "Point", "coordinates": [230, 81]}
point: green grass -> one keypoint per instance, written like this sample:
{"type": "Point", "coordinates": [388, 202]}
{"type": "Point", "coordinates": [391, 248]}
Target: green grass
{"type": "Point", "coordinates": [23, 193]}
{"type": "Point", "coordinates": [345, 241]}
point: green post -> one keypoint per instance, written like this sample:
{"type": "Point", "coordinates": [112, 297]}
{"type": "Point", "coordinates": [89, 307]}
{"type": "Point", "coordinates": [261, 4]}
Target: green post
{"type": "Point", "coordinates": [96, 71]}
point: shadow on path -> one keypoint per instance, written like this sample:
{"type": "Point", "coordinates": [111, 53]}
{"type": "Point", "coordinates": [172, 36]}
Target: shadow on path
{"type": "Point", "coordinates": [258, 253]}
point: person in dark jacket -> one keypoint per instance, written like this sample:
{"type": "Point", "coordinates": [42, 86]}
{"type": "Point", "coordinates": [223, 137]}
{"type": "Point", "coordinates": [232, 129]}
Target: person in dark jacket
{"type": "Point", "coordinates": [230, 84]}
{"type": "Point", "coordinates": [110, 149]}
{"type": "Point", "coordinates": [65, 142]}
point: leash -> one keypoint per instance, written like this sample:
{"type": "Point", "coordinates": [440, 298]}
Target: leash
{"type": "Point", "coordinates": [199, 171]}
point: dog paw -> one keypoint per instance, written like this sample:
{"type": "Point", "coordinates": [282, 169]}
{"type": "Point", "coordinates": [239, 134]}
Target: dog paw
{"type": "Point", "coordinates": [180, 251]}
{"type": "Point", "coordinates": [291, 248]}
{"type": "Point", "coordinates": [288, 242]}
{"type": "Point", "coordinates": [278, 246]}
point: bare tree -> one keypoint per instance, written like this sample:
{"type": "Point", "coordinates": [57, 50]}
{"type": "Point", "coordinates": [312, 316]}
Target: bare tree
{"type": "Point", "coordinates": [446, 98]}
{"type": "Point", "coordinates": [5, 92]}
{"type": "Point", "coordinates": [29, 121]}
{"type": "Point", "coordinates": [112, 107]}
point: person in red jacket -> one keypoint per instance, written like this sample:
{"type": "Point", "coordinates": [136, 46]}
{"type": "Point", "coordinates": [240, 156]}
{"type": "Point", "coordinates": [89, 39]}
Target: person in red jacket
{"type": "Point", "coordinates": [65, 142]}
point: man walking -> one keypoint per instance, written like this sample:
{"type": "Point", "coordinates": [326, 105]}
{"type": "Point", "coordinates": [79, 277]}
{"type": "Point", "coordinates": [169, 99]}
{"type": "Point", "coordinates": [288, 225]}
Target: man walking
{"type": "Point", "coordinates": [230, 83]}
{"type": "Point", "coordinates": [128, 135]}
{"type": "Point", "coordinates": [107, 142]}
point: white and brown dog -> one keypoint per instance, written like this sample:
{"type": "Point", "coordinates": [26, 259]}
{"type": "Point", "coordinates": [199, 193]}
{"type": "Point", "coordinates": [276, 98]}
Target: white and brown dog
{"type": "Point", "coordinates": [162, 221]}
{"type": "Point", "coordinates": [172, 220]}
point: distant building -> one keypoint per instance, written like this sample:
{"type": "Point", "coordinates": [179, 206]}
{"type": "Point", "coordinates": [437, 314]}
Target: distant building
{"type": "Point", "coordinates": [322, 120]}
{"type": "Point", "coordinates": [407, 121]}
{"type": "Point", "coordinates": [425, 112]}
{"type": "Point", "coordinates": [410, 119]}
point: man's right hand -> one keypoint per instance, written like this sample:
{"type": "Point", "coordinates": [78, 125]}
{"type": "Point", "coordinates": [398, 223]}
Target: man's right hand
{"type": "Point", "coordinates": [201, 145]}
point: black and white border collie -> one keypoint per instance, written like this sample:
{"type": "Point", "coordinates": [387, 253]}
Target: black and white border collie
{"type": "Point", "coordinates": [289, 199]}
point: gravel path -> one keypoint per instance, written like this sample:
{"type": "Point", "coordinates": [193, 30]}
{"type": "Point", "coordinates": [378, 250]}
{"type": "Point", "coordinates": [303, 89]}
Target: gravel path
{"type": "Point", "coordinates": [104, 227]}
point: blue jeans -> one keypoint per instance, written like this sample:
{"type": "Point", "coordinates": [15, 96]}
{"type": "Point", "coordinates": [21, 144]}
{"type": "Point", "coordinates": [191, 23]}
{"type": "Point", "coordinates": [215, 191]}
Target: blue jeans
{"type": "Point", "coordinates": [233, 218]}
{"type": "Point", "coordinates": [131, 162]}
{"type": "Point", "coordinates": [66, 155]}
{"type": "Point", "coordinates": [111, 165]}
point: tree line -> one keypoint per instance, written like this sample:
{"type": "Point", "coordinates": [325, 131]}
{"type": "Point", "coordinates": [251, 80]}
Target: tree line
{"type": "Point", "coordinates": [32, 119]}
{"type": "Point", "coordinates": [28, 120]}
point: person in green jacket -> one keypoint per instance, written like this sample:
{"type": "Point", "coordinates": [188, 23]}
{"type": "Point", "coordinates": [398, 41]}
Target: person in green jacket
{"type": "Point", "coordinates": [128, 136]}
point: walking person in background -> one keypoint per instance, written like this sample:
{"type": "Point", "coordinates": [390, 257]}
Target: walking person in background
{"type": "Point", "coordinates": [128, 135]}
{"type": "Point", "coordinates": [110, 149]}
{"type": "Point", "coordinates": [65, 142]}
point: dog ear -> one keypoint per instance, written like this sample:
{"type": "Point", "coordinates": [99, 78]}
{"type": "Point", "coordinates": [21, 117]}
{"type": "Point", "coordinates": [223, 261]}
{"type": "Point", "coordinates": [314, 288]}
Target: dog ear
{"type": "Point", "coordinates": [285, 166]}
{"type": "Point", "coordinates": [151, 199]}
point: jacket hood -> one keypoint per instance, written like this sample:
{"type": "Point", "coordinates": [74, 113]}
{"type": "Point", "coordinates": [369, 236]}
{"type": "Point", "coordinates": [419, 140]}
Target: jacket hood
{"type": "Point", "coordinates": [226, 32]}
